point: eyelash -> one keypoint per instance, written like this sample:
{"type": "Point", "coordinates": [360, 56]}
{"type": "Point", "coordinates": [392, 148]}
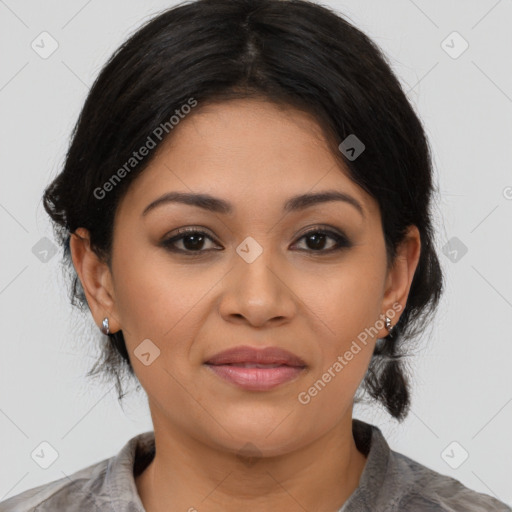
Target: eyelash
{"type": "Point", "coordinates": [341, 241]}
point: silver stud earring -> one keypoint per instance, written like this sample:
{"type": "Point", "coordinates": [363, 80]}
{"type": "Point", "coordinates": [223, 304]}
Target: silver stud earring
{"type": "Point", "coordinates": [389, 327]}
{"type": "Point", "coordinates": [105, 329]}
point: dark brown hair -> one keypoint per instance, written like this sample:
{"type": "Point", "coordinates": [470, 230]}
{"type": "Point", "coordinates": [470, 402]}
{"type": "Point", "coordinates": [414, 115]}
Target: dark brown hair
{"type": "Point", "coordinates": [294, 53]}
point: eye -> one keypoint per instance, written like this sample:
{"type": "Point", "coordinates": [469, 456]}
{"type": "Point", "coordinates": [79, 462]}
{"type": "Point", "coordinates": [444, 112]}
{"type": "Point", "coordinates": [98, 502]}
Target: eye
{"type": "Point", "coordinates": [316, 238]}
{"type": "Point", "coordinates": [193, 240]}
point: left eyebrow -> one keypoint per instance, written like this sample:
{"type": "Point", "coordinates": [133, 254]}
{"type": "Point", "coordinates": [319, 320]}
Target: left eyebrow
{"type": "Point", "coordinates": [217, 205]}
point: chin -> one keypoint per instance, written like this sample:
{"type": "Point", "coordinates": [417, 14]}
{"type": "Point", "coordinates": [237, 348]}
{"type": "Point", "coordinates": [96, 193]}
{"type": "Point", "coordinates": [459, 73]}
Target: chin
{"type": "Point", "coordinates": [256, 440]}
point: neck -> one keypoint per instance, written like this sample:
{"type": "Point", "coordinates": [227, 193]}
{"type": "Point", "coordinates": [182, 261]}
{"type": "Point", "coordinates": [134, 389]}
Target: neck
{"type": "Point", "coordinates": [186, 474]}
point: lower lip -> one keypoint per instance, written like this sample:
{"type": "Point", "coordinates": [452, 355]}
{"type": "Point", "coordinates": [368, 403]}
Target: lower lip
{"type": "Point", "coordinates": [256, 379]}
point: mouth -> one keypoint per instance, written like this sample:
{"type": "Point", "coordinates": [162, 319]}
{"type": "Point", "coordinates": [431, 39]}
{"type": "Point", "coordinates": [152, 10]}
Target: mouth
{"type": "Point", "coordinates": [256, 369]}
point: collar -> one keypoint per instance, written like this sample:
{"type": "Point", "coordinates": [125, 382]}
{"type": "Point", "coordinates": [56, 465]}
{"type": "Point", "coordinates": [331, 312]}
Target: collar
{"type": "Point", "coordinates": [139, 451]}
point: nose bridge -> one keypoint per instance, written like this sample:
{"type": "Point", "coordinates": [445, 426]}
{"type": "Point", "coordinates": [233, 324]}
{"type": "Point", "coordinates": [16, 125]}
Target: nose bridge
{"type": "Point", "coordinates": [257, 262]}
{"type": "Point", "coordinates": [255, 290]}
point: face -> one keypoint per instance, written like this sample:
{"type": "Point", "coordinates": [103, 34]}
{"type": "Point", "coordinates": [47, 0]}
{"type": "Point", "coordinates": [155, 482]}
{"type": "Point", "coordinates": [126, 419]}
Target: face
{"type": "Point", "coordinates": [307, 277]}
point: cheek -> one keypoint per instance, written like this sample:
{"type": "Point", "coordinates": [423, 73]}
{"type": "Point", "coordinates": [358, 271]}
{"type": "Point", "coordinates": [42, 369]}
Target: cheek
{"type": "Point", "coordinates": [346, 311]}
{"type": "Point", "coordinates": [350, 300]}
{"type": "Point", "coordinates": [163, 301]}
{"type": "Point", "coordinates": [150, 290]}
{"type": "Point", "coordinates": [348, 305]}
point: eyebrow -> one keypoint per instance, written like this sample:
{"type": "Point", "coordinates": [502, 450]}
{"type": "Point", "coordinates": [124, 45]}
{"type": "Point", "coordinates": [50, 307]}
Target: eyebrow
{"type": "Point", "coordinates": [217, 205]}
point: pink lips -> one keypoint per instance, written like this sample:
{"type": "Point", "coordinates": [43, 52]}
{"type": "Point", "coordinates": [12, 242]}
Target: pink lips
{"type": "Point", "coordinates": [256, 369]}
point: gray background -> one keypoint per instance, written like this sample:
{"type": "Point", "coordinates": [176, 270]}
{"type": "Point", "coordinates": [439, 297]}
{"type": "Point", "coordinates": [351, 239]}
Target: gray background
{"type": "Point", "coordinates": [463, 382]}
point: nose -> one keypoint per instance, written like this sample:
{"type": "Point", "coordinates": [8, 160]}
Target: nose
{"type": "Point", "coordinates": [258, 291]}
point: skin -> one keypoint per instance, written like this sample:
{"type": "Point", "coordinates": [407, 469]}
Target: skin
{"type": "Point", "coordinates": [254, 155]}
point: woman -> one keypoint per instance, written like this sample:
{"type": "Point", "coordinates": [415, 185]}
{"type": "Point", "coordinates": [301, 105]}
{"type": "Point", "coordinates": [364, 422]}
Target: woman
{"type": "Point", "coordinates": [246, 203]}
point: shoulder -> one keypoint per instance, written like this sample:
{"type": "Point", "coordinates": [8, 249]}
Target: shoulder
{"type": "Point", "coordinates": [427, 490]}
{"type": "Point", "coordinates": [108, 484]}
{"type": "Point", "coordinates": [78, 491]}
{"type": "Point", "coordinates": [392, 482]}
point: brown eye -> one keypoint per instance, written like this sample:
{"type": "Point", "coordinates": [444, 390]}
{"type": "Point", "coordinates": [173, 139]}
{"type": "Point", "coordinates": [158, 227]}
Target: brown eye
{"type": "Point", "coordinates": [316, 241]}
{"type": "Point", "coordinates": [192, 240]}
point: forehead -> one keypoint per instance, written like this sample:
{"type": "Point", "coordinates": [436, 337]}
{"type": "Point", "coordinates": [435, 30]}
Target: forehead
{"type": "Point", "coordinates": [250, 152]}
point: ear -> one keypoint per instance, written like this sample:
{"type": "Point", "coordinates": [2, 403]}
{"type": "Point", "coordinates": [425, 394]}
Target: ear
{"type": "Point", "coordinates": [400, 275]}
{"type": "Point", "coordinates": [96, 280]}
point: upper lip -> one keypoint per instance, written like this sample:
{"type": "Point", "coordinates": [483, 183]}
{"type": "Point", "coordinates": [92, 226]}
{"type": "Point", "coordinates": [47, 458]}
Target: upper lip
{"type": "Point", "coordinates": [247, 354]}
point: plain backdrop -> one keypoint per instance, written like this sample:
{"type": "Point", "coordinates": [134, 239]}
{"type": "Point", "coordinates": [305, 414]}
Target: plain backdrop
{"type": "Point", "coordinates": [460, 85]}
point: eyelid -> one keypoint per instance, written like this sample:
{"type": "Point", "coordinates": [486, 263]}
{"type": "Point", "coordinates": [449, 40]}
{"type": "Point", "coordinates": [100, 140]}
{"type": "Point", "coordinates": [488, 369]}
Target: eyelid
{"type": "Point", "coordinates": [338, 235]}
{"type": "Point", "coordinates": [179, 234]}
{"type": "Point", "coordinates": [343, 241]}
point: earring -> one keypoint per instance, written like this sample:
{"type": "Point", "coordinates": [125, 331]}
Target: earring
{"type": "Point", "coordinates": [105, 329]}
{"type": "Point", "coordinates": [389, 327]}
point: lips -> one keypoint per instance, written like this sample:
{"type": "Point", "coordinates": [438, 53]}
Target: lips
{"type": "Point", "coordinates": [253, 369]}
{"type": "Point", "coordinates": [250, 357]}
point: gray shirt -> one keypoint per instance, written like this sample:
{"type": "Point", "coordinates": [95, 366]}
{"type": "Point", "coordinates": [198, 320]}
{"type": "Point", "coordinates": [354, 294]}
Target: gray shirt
{"type": "Point", "coordinates": [390, 482]}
